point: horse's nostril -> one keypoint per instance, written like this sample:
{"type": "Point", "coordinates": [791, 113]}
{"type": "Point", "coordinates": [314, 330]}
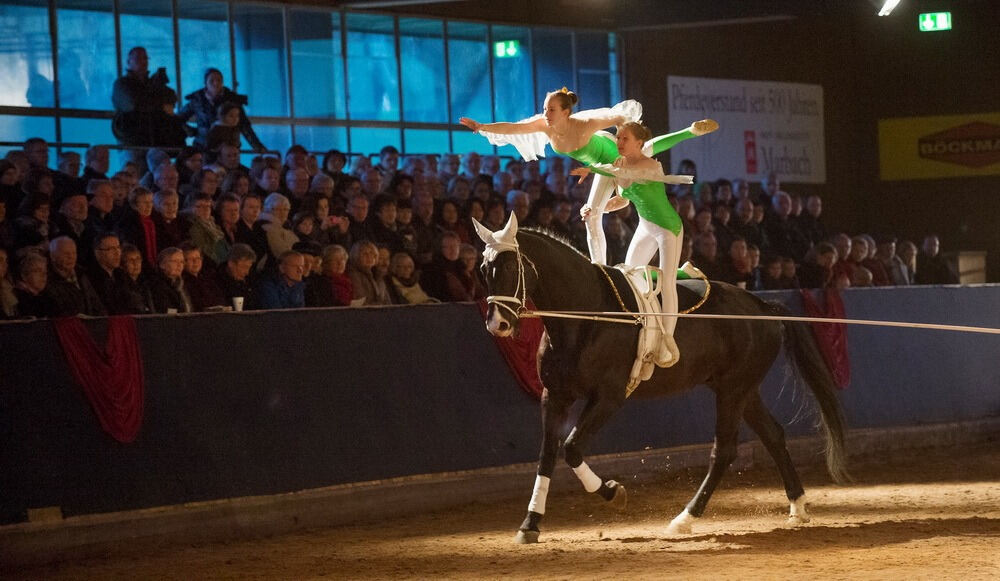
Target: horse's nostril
{"type": "Point", "coordinates": [503, 326]}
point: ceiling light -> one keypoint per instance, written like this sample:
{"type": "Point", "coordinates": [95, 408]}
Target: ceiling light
{"type": "Point", "coordinates": [887, 7]}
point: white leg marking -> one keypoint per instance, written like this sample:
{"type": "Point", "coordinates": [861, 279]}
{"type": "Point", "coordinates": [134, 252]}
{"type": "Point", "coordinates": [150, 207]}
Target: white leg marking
{"type": "Point", "coordinates": [537, 503]}
{"type": "Point", "coordinates": [591, 482]}
{"type": "Point", "coordinates": [681, 525]}
{"type": "Point", "coordinates": [798, 514]}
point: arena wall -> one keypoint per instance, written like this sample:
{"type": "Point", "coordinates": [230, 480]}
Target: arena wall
{"type": "Point", "coordinates": [262, 403]}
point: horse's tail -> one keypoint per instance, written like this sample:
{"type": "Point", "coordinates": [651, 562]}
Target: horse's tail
{"type": "Point", "coordinates": [804, 354]}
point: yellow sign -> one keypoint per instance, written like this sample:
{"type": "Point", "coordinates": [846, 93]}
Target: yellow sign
{"type": "Point", "coordinates": [919, 148]}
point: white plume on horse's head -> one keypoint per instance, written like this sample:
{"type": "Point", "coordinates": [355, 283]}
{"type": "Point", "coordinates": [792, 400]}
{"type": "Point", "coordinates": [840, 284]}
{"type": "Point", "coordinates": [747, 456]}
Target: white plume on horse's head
{"type": "Point", "coordinates": [499, 241]}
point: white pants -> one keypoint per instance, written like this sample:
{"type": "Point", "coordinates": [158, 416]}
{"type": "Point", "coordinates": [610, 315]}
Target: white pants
{"type": "Point", "coordinates": [600, 192]}
{"type": "Point", "coordinates": [648, 240]}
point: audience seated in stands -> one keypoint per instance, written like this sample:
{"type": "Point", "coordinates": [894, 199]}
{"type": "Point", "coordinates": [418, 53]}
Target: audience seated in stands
{"type": "Point", "coordinates": [400, 218]}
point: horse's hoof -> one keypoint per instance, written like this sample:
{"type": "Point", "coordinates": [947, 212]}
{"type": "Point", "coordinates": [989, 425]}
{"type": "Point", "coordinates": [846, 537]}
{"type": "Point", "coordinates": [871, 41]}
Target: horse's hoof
{"type": "Point", "coordinates": [797, 520]}
{"type": "Point", "coordinates": [619, 501]}
{"type": "Point", "coordinates": [526, 537]}
{"type": "Point", "coordinates": [681, 525]}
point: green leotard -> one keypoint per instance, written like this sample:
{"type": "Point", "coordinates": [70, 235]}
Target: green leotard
{"type": "Point", "coordinates": [650, 199]}
{"type": "Point", "coordinates": [600, 149]}
{"type": "Point", "coordinates": [603, 149]}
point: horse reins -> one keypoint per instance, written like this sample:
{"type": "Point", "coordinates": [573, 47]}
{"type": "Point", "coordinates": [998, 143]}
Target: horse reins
{"type": "Point", "coordinates": [629, 318]}
{"type": "Point", "coordinates": [609, 316]}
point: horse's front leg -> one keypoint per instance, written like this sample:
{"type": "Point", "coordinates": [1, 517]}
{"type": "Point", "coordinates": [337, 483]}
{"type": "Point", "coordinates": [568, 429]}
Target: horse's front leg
{"type": "Point", "coordinates": [554, 413]}
{"type": "Point", "coordinates": [594, 416]}
{"type": "Point", "coordinates": [728, 410]}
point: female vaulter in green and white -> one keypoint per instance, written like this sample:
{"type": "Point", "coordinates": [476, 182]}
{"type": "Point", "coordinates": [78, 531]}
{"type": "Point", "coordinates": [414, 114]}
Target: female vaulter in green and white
{"type": "Point", "coordinates": [639, 179]}
{"type": "Point", "coordinates": [580, 136]}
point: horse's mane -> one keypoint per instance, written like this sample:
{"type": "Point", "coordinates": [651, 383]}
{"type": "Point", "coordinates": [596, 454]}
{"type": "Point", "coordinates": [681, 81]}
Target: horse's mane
{"type": "Point", "coordinates": [546, 233]}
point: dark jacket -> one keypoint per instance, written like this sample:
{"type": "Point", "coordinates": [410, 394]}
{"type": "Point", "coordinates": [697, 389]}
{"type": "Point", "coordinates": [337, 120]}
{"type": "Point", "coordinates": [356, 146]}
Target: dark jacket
{"type": "Point", "coordinates": [205, 112]}
{"type": "Point", "coordinates": [231, 287]}
{"type": "Point", "coordinates": [168, 294]}
{"type": "Point", "coordinates": [129, 229]}
{"type": "Point", "coordinates": [275, 293]}
{"type": "Point", "coordinates": [110, 288]}
{"type": "Point", "coordinates": [319, 291]}
{"type": "Point", "coordinates": [74, 298]}
{"type": "Point", "coordinates": [137, 297]}
{"type": "Point", "coordinates": [29, 305]}
{"type": "Point", "coordinates": [204, 291]}
{"type": "Point", "coordinates": [138, 103]}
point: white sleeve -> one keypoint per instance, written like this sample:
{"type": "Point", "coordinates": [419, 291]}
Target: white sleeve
{"type": "Point", "coordinates": [531, 146]}
{"type": "Point", "coordinates": [631, 110]}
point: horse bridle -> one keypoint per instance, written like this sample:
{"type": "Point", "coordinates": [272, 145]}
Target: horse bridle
{"type": "Point", "coordinates": [520, 296]}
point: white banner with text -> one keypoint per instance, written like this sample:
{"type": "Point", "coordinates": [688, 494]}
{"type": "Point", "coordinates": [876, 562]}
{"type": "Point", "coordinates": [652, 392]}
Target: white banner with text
{"type": "Point", "coordinates": [763, 127]}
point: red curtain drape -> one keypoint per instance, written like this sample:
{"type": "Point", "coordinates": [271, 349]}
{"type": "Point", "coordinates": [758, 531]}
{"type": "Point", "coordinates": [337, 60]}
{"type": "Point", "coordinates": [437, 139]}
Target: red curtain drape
{"type": "Point", "coordinates": [112, 378]}
{"type": "Point", "coordinates": [831, 337]}
{"type": "Point", "coordinates": [521, 352]}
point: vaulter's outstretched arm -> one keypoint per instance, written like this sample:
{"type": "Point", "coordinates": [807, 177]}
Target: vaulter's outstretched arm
{"type": "Point", "coordinates": [533, 125]}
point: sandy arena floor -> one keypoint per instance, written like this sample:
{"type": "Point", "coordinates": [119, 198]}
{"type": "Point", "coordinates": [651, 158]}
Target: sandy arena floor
{"type": "Point", "coordinates": [931, 515]}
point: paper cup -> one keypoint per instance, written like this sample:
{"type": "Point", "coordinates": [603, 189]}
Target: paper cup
{"type": "Point", "coordinates": [237, 304]}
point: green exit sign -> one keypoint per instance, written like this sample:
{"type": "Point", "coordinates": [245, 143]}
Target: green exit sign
{"type": "Point", "coordinates": [933, 21]}
{"type": "Point", "coordinates": [507, 48]}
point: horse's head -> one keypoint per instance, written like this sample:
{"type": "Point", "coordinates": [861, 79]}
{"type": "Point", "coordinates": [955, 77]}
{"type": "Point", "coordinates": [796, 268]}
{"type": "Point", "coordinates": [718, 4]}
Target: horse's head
{"type": "Point", "coordinates": [506, 277]}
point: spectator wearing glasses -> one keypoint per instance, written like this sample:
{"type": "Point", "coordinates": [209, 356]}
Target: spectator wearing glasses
{"type": "Point", "coordinates": [106, 275]}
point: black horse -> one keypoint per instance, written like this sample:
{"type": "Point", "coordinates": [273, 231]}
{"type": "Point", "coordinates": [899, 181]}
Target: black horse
{"type": "Point", "coordinates": [591, 361]}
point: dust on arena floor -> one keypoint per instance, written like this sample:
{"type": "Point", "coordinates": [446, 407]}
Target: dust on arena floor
{"type": "Point", "coordinates": [915, 514]}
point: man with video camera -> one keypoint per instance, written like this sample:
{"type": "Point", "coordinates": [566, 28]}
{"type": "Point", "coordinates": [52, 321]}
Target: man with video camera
{"type": "Point", "coordinates": [140, 100]}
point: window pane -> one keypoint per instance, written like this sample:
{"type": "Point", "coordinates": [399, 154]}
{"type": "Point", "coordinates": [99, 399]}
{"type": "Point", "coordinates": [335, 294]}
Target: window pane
{"type": "Point", "coordinates": [369, 141]}
{"type": "Point", "coordinates": [260, 59]}
{"type": "Point", "coordinates": [321, 139]}
{"type": "Point", "coordinates": [149, 23]}
{"type": "Point", "coordinates": [465, 141]}
{"type": "Point", "coordinates": [373, 82]}
{"type": "Point", "coordinates": [275, 137]}
{"type": "Point", "coordinates": [512, 76]}
{"type": "Point", "coordinates": [421, 48]}
{"type": "Point", "coordinates": [17, 128]}
{"type": "Point", "coordinates": [317, 64]}
{"type": "Point", "coordinates": [425, 141]}
{"type": "Point", "coordinates": [468, 62]}
{"type": "Point", "coordinates": [92, 132]}
{"type": "Point", "coordinates": [26, 57]}
{"type": "Point", "coordinates": [592, 59]}
{"type": "Point", "coordinates": [87, 68]}
{"type": "Point", "coordinates": [553, 62]}
{"type": "Point", "coordinates": [614, 69]}
{"type": "Point", "coordinates": [204, 38]}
